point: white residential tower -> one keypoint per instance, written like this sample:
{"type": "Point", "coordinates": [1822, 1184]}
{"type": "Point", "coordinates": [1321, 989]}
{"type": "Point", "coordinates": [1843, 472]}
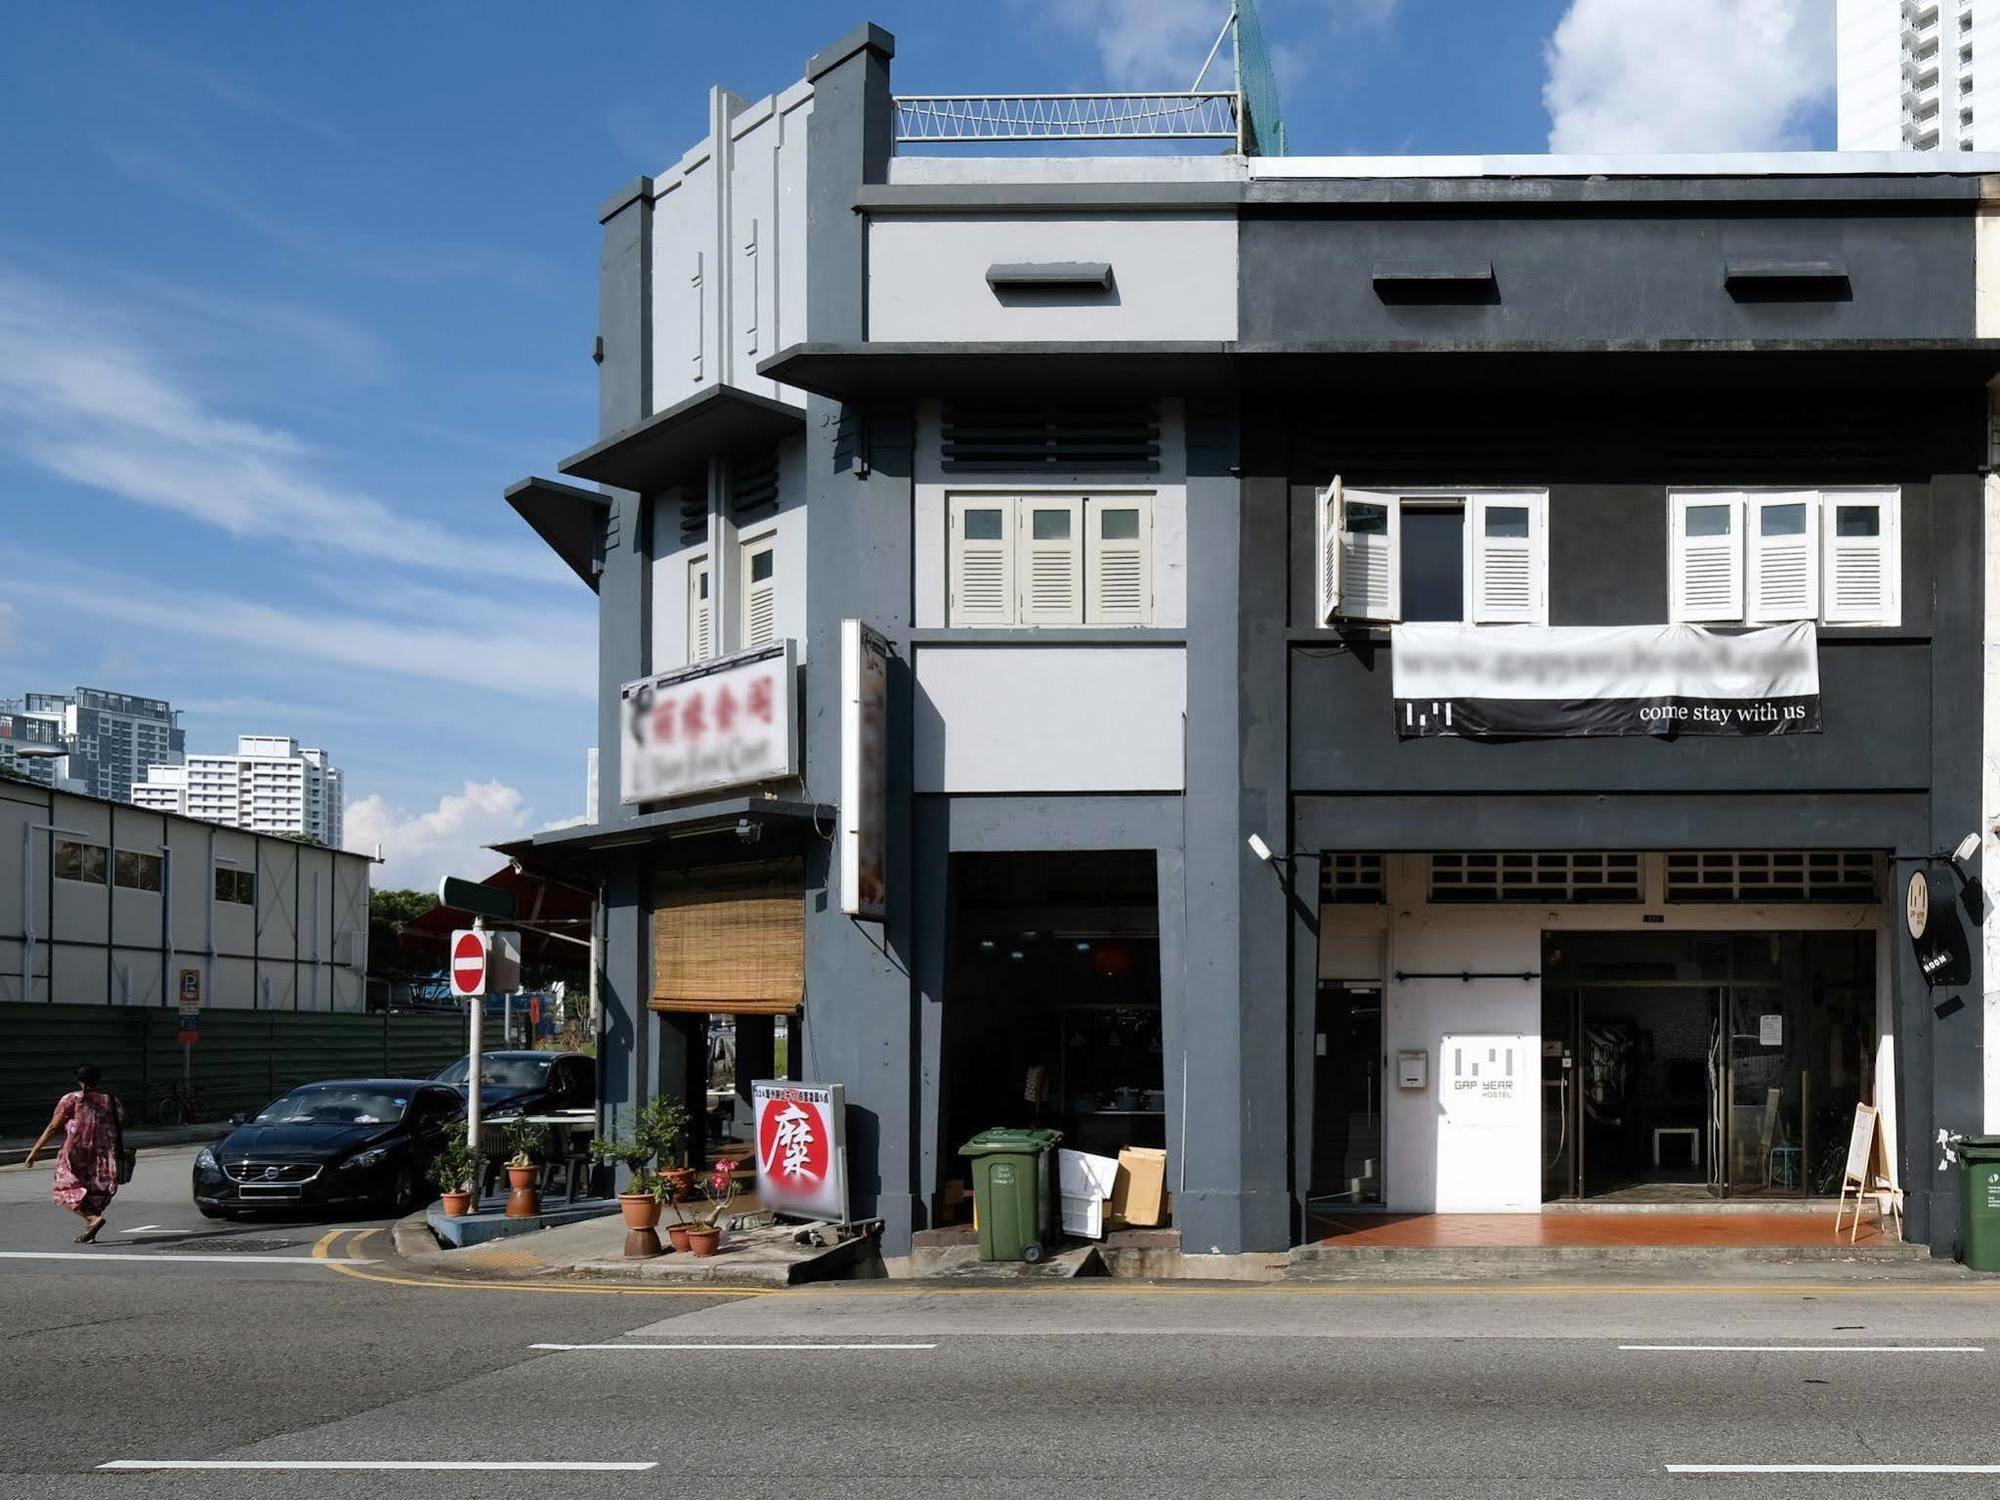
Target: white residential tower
{"type": "Point", "coordinates": [1910, 75]}
{"type": "Point", "coordinates": [269, 785]}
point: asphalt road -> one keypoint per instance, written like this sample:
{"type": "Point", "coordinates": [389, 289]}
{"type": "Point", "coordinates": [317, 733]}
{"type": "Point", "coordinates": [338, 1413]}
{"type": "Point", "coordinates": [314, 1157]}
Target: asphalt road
{"type": "Point", "coordinates": [263, 1354]}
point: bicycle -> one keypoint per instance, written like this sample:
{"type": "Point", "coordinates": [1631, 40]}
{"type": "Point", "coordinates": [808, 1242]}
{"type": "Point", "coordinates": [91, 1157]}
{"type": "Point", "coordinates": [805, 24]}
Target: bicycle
{"type": "Point", "coordinates": [180, 1105]}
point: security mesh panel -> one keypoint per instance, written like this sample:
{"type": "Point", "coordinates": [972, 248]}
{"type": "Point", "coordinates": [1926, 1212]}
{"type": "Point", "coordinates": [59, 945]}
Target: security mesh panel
{"type": "Point", "coordinates": [1769, 875]}
{"type": "Point", "coordinates": [753, 488]}
{"type": "Point", "coordinates": [1351, 880]}
{"type": "Point", "coordinates": [1535, 876]}
{"type": "Point", "coordinates": [1056, 439]}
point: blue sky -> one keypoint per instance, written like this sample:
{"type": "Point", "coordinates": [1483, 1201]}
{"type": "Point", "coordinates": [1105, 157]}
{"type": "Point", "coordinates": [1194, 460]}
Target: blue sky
{"type": "Point", "coordinates": [289, 294]}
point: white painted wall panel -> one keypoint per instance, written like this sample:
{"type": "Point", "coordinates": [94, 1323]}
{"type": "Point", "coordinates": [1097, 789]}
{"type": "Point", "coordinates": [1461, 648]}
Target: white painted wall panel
{"type": "Point", "coordinates": [1050, 718]}
{"type": "Point", "coordinates": [1174, 276]}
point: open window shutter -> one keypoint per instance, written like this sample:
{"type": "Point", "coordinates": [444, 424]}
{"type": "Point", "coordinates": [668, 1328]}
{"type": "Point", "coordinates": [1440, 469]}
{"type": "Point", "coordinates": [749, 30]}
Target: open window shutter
{"type": "Point", "coordinates": [698, 610]}
{"type": "Point", "coordinates": [1326, 550]}
{"type": "Point", "coordinates": [760, 592]}
{"type": "Point", "coordinates": [1863, 559]}
{"type": "Point", "coordinates": [1118, 547]}
{"type": "Point", "coordinates": [1509, 553]}
{"type": "Point", "coordinates": [982, 560]}
{"type": "Point", "coordinates": [1781, 544]}
{"type": "Point", "coordinates": [1707, 557]}
{"type": "Point", "coordinates": [1050, 569]}
{"type": "Point", "coordinates": [1370, 530]}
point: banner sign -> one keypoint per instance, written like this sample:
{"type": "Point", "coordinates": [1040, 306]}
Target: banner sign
{"type": "Point", "coordinates": [1542, 682]}
{"type": "Point", "coordinates": [722, 723]}
{"type": "Point", "coordinates": [864, 771]}
{"type": "Point", "coordinates": [801, 1147]}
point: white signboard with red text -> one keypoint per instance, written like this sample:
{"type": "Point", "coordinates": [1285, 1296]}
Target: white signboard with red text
{"type": "Point", "coordinates": [722, 723]}
{"type": "Point", "coordinates": [801, 1147]}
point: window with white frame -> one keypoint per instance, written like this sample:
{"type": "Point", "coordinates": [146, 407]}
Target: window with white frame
{"type": "Point", "coordinates": [1050, 559]}
{"type": "Point", "coordinates": [758, 590]}
{"type": "Point", "coordinates": [700, 629]}
{"type": "Point", "coordinates": [1476, 556]}
{"type": "Point", "coordinates": [1768, 557]}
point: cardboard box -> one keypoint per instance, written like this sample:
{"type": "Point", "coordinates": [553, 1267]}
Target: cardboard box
{"type": "Point", "coordinates": [1138, 1197]}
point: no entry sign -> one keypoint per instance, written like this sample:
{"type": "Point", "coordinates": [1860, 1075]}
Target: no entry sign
{"type": "Point", "coordinates": [468, 963]}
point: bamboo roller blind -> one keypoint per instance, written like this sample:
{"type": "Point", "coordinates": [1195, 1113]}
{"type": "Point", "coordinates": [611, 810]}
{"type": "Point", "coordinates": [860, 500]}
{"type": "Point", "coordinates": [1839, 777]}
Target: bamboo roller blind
{"type": "Point", "coordinates": [731, 940]}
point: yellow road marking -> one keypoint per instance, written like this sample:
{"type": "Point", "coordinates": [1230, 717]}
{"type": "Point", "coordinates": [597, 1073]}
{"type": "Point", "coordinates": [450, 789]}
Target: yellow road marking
{"type": "Point", "coordinates": [324, 1244]}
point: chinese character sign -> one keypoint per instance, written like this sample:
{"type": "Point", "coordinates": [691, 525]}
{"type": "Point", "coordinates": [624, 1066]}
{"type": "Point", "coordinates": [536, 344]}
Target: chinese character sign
{"type": "Point", "coordinates": [802, 1147]}
{"type": "Point", "coordinates": [724, 723]}
{"type": "Point", "coordinates": [864, 762]}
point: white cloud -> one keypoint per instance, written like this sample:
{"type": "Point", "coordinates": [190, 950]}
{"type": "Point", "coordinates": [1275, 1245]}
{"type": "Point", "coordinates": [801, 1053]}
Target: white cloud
{"type": "Point", "coordinates": [448, 839]}
{"type": "Point", "coordinates": [81, 397]}
{"type": "Point", "coordinates": [536, 654]}
{"type": "Point", "coordinates": [1693, 75]}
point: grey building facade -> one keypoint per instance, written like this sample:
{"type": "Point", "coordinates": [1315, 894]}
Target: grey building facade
{"type": "Point", "coordinates": [1064, 433]}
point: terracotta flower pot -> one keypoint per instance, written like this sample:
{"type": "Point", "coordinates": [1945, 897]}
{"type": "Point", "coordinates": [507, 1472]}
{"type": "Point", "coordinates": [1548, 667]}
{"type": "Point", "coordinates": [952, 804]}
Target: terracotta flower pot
{"type": "Point", "coordinates": [641, 1210]}
{"type": "Point", "coordinates": [704, 1239]}
{"type": "Point", "coordinates": [677, 1236]}
{"type": "Point", "coordinates": [457, 1204]}
{"type": "Point", "coordinates": [523, 1202]}
{"type": "Point", "coordinates": [680, 1180]}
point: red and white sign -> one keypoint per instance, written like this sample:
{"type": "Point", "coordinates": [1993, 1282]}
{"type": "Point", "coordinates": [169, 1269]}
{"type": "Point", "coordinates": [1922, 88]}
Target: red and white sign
{"type": "Point", "coordinates": [722, 723]}
{"type": "Point", "coordinates": [802, 1147]}
{"type": "Point", "coordinates": [468, 963]}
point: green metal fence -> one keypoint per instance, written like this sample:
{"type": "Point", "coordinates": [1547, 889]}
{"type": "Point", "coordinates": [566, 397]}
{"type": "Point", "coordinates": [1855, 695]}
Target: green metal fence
{"type": "Point", "coordinates": [244, 1059]}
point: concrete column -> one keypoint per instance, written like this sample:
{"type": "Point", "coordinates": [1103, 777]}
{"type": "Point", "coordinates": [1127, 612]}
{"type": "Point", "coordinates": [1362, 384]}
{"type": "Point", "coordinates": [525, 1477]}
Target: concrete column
{"type": "Point", "coordinates": [1236, 1023]}
{"type": "Point", "coordinates": [756, 1057]}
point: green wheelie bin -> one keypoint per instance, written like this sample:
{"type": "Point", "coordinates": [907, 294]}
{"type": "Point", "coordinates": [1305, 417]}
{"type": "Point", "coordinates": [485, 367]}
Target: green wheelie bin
{"type": "Point", "coordinates": [1979, 1202]}
{"type": "Point", "coordinates": [1010, 1190]}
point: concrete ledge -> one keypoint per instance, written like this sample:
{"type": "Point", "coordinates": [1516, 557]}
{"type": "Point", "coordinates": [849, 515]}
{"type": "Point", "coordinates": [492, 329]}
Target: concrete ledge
{"type": "Point", "coordinates": [462, 1232]}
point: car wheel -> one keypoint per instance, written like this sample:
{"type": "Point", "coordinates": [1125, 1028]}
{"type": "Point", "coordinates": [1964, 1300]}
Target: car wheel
{"type": "Point", "coordinates": [210, 1211]}
{"type": "Point", "coordinates": [403, 1196]}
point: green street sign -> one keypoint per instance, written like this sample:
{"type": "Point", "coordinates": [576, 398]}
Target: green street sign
{"type": "Point", "coordinates": [480, 900]}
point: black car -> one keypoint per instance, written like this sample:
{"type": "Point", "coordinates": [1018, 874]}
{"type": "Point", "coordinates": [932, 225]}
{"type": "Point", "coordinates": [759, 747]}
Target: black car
{"type": "Point", "coordinates": [358, 1141]}
{"type": "Point", "coordinates": [528, 1083]}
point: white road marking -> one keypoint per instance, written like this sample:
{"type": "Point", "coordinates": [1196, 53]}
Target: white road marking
{"type": "Point", "coordinates": [183, 1260]}
{"type": "Point", "coordinates": [452, 1464]}
{"type": "Point", "coordinates": [1833, 1468]}
{"type": "Point", "coordinates": [643, 1347]}
{"type": "Point", "coordinates": [1805, 1349]}
{"type": "Point", "coordinates": [153, 1229]}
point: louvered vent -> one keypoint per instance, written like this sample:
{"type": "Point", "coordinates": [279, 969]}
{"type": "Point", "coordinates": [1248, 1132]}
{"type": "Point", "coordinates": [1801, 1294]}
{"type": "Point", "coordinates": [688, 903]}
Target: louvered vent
{"type": "Point", "coordinates": [1462, 879]}
{"type": "Point", "coordinates": [1351, 880]}
{"type": "Point", "coordinates": [1507, 583]}
{"type": "Point", "coordinates": [1849, 876]}
{"type": "Point", "coordinates": [1710, 579]}
{"type": "Point", "coordinates": [1056, 439]}
{"type": "Point", "coordinates": [982, 583]}
{"type": "Point", "coordinates": [694, 520]}
{"type": "Point", "coordinates": [762, 621]}
{"type": "Point", "coordinates": [753, 488]}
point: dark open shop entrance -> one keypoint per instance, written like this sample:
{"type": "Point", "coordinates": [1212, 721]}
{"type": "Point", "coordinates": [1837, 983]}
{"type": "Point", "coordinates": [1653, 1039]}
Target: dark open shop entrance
{"type": "Point", "coordinates": [1702, 1065]}
{"type": "Point", "coordinates": [1052, 1002]}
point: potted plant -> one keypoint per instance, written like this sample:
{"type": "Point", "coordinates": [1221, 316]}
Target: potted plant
{"type": "Point", "coordinates": [455, 1169]}
{"type": "Point", "coordinates": [527, 1144]}
{"type": "Point", "coordinates": [718, 1186]}
{"type": "Point", "coordinates": [657, 1130]}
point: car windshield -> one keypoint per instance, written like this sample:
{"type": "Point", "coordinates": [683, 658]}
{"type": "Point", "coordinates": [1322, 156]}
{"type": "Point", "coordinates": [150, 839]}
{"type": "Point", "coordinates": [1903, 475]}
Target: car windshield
{"type": "Point", "coordinates": [503, 1072]}
{"type": "Point", "coordinates": [336, 1104]}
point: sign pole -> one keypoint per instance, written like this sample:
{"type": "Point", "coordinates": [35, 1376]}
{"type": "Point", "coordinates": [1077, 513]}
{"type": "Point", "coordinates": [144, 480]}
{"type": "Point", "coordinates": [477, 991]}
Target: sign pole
{"type": "Point", "coordinates": [478, 1003]}
{"type": "Point", "coordinates": [507, 1019]}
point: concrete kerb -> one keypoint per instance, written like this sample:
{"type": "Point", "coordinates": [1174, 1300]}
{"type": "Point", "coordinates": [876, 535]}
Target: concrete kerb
{"type": "Point", "coordinates": [14, 1150]}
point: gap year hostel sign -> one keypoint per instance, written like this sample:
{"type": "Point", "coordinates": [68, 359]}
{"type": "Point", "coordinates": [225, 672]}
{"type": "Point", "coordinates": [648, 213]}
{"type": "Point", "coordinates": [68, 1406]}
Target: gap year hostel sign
{"type": "Point", "coordinates": [722, 723]}
{"type": "Point", "coordinates": [801, 1147]}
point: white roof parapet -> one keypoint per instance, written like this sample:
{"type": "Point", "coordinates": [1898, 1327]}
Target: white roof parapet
{"type": "Point", "coordinates": [1664, 164]}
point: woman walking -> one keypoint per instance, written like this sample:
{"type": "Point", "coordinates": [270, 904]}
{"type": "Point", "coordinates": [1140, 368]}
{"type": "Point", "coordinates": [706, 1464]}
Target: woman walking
{"type": "Point", "coordinates": [87, 1163]}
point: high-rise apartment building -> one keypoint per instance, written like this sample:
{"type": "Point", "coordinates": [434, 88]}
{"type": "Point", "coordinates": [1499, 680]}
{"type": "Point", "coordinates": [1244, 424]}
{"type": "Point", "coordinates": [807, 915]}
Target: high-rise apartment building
{"type": "Point", "coordinates": [110, 739]}
{"type": "Point", "coordinates": [1908, 75]}
{"type": "Point", "coordinates": [270, 785]}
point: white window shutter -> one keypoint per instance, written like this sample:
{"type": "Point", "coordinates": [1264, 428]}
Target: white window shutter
{"type": "Point", "coordinates": [1049, 566]}
{"type": "Point", "coordinates": [1706, 563]}
{"type": "Point", "coordinates": [699, 633]}
{"type": "Point", "coordinates": [1327, 508]}
{"type": "Point", "coordinates": [1118, 560]}
{"type": "Point", "coordinates": [1371, 583]}
{"type": "Point", "coordinates": [1781, 546]}
{"type": "Point", "coordinates": [759, 590]}
{"type": "Point", "coordinates": [982, 560]}
{"type": "Point", "coordinates": [1509, 554]}
{"type": "Point", "coordinates": [1861, 539]}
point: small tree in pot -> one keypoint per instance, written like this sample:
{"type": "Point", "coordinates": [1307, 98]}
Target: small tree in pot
{"type": "Point", "coordinates": [528, 1145]}
{"type": "Point", "coordinates": [455, 1169]}
{"type": "Point", "coordinates": [656, 1132]}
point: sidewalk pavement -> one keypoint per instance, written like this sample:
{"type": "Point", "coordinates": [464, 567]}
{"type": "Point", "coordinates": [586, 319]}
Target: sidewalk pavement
{"type": "Point", "coordinates": [14, 1148]}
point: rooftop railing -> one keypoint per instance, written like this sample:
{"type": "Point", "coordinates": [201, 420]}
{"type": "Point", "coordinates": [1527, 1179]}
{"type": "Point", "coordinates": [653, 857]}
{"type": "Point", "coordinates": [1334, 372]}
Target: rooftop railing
{"type": "Point", "coordinates": [943, 119]}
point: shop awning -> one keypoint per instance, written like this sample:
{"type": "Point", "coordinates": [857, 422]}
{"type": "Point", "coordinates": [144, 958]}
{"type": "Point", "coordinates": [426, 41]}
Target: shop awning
{"type": "Point", "coordinates": [673, 446]}
{"type": "Point", "coordinates": [731, 939]}
{"type": "Point", "coordinates": [554, 918]}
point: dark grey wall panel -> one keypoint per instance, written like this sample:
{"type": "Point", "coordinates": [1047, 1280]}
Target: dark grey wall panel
{"type": "Point", "coordinates": [1875, 703]}
{"type": "Point", "coordinates": [1597, 274]}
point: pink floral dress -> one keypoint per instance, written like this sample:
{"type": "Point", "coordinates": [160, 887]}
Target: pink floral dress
{"type": "Point", "coordinates": [87, 1166]}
